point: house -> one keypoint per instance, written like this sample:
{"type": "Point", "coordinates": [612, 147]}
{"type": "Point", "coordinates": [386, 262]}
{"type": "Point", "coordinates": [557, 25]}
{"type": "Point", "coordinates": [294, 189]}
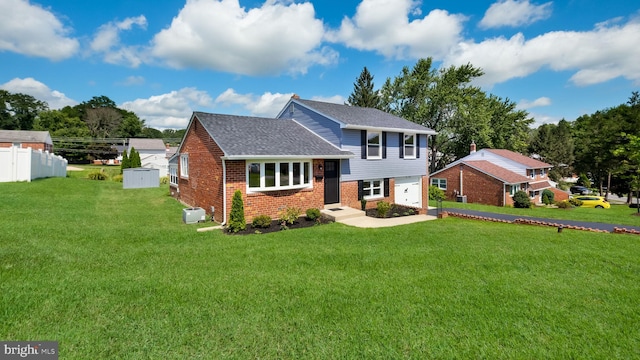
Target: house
{"type": "Point", "coordinates": [153, 153]}
{"type": "Point", "coordinates": [36, 140]}
{"type": "Point", "coordinates": [312, 155]}
{"type": "Point", "coordinates": [493, 176]}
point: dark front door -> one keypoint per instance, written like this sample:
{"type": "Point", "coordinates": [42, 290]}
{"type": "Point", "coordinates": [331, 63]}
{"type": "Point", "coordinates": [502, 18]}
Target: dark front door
{"type": "Point", "coordinates": [331, 182]}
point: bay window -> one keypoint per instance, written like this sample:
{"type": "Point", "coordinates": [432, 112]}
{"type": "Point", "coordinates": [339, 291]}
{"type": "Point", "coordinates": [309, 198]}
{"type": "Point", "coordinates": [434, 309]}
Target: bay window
{"type": "Point", "coordinates": [266, 176]}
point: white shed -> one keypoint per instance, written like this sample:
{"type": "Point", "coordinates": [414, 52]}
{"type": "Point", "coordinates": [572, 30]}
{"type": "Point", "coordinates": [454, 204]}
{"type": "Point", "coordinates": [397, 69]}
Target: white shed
{"type": "Point", "coordinates": [138, 178]}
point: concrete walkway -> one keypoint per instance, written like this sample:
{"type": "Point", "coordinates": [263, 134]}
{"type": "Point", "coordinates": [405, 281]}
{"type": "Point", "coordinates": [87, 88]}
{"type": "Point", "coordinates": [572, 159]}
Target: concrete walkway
{"type": "Point", "coordinates": [353, 217]}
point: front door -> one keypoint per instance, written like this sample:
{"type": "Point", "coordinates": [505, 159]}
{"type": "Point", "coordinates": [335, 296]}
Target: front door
{"type": "Point", "coordinates": [331, 182]}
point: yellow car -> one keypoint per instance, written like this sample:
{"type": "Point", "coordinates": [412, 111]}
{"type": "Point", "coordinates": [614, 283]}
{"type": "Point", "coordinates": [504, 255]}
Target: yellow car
{"type": "Point", "coordinates": [593, 201]}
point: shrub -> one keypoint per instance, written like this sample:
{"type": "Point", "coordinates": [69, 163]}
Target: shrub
{"type": "Point", "coordinates": [563, 204]}
{"type": "Point", "coordinates": [134, 158]}
{"type": "Point", "coordinates": [575, 202]}
{"type": "Point", "coordinates": [313, 214]}
{"type": "Point", "coordinates": [547, 197]}
{"type": "Point", "coordinates": [236, 218]}
{"type": "Point", "coordinates": [117, 178]}
{"type": "Point", "coordinates": [164, 180]}
{"type": "Point", "coordinates": [521, 200]}
{"type": "Point", "coordinates": [289, 215]}
{"type": "Point", "coordinates": [262, 221]}
{"type": "Point", "coordinates": [382, 207]}
{"type": "Point", "coordinates": [125, 163]}
{"type": "Point", "coordinates": [435, 193]}
{"type": "Point", "coordinates": [97, 175]}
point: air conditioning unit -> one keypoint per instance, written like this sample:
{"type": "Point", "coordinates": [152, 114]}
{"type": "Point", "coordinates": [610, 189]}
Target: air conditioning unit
{"type": "Point", "coordinates": [461, 198]}
{"type": "Point", "coordinates": [193, 215]}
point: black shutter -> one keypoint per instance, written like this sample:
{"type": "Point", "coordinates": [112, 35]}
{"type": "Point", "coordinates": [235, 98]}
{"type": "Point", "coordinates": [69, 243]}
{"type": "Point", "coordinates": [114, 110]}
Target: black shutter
{"type": "Point", "coordinates": [401, 144]}
{"type": "Point", "coordinates": [363, 144]}
{"type": "Point", "coordinates": [386, 187]}
{"type": "Point", "coordinates": [384, 144]}
{"type": "Point", "coordinates": [360, 187]}
{"type": "Point", "coordinates": [418, 146]}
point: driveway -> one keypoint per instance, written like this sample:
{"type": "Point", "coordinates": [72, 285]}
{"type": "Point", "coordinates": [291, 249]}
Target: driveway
{"type": "Point", "coordinates": [565, 223]}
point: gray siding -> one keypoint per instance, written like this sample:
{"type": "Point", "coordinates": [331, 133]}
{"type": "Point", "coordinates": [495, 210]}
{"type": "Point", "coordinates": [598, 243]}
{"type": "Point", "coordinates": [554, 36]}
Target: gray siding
{"type": "Point", "coordinates": [323, 127]}
{"type": "Point", "coordinates": [391, 167]}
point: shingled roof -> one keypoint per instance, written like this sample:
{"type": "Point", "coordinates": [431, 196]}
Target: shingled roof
{"type": "Point", "coordinates": [519, 158]}
{"type": "Point", "coordinates": [498, 172]}
{"type": "Point", "coordinates": [356, 117]}
{"type": "Point", "coordinates": [25, 136]}
{"type": "Point", "coordinates": [246, 137]}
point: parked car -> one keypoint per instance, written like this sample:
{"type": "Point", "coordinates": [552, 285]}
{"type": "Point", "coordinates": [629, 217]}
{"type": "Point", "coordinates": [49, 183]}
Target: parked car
{"type": "Point", "coordinates": [577, 189]}
{"type": "Point", "coordinates": [593, 201]}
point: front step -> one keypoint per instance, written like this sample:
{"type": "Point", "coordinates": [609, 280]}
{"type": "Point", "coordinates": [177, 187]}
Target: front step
{"type": "Point", "coordinates": [339, 213]}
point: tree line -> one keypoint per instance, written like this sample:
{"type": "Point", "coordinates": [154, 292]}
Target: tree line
{"type": "Point", "coordinates": [83, 132]}
{"type": "Point", "coordinates": [604, 147]}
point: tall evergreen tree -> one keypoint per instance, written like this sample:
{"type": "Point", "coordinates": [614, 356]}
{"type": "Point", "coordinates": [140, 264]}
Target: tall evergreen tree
{"type": "Point", "coordinates": [134, 158]}
{"type": "Point", "coordinates": [363, 94]}
{"type": "Point", "coordinates": [126, 163]}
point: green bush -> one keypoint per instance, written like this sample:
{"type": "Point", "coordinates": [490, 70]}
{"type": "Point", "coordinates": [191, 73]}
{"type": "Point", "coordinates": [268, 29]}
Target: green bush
{"type": "Point", "coordinates": [236, 218]}
{"type": "Point", "coordinates": [575, 202]}
{"type": "Point", "coordinates": [289, 215]}
{"type": "Point", "coordinates": [117, 178]}
{"type": "Point", "coordinates": [563, 204]}
{"type": "Point", "coordinates": [382, 207]}
{"type": "Point", "coordinates": [262, 221]}
{"type": "Point", "coordinates": [97, 175]}
{"type": "Point", "coordinates": [547, 197]}
{"type": "Point", "coordinates": [435, 193]}
{"type": "Point", "coordinates": [313, 214]}
{"type": "Point", "coordinates": [521, 200]}
{"type": "Point", "coordinates": [164, 180]}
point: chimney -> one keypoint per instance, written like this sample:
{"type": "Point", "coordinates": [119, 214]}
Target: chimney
{"type": "Point", "coordinates": [473, 147]}
{"type": "Point", "coordinates": [295, 96]}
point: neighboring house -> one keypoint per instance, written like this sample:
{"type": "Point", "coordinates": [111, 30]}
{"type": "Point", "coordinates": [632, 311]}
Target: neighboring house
{"type": "Point", "coordinates": [493, 176]}
{"type": "Point", "coordinates": [37, 140]}
{"type": "Point", "coordinates": [313, 155]}
{"type": "Point", "coordinates": [153, 153]}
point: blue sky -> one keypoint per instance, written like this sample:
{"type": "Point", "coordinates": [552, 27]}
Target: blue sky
{"type": "Point", "coordinates": [164, 59]}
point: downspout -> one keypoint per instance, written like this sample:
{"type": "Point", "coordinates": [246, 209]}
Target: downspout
{"type": "Point", "coordinates": [461, 191]}
{"type": "Point", "coordinates": [224, 193]}
{"type": "Point", "coordinates": [504, 194]}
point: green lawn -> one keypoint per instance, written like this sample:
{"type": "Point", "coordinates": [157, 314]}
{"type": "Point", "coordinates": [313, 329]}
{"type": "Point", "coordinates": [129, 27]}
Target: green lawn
{"type": "Point", "coordinates": [617, 214]}
{"type": "Point", "coordinates": [112, 273]}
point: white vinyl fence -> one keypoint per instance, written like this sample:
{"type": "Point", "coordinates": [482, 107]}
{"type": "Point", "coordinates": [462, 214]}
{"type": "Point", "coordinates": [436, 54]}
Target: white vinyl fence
{"type": "Point", "coordinates": [17, 164]}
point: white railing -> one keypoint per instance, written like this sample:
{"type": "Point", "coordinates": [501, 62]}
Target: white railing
{"type": "Point", "coordinates": [17, 164]}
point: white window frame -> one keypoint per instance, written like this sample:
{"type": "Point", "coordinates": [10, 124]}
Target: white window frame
{"type": "Point", "coordinates": [278, 186]}
{"type": "Point", "coordinates": [438, 182]}
{"type": "Point", "coordinates": [543, 172]}
{"type": "Point", "coordinates": [413, 146]}
{"type": "Point", "coordinates": [368, 191]}
{"type": "Point", "coordinates": [184, 166]}
{"type": "Point", "coordinates": [173, 174]}
{"type": "Point", "coordinates": [378, 145]}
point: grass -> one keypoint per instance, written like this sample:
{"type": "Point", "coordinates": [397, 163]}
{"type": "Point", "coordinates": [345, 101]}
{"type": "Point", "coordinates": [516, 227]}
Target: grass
{"type": "Point", "coordinates": [113, 273]}
{"type": "Point", "coordinates": [617, 214]}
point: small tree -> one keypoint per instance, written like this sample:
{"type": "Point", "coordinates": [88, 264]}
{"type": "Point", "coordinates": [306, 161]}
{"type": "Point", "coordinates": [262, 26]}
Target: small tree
{"type": "Point", "coordinates": [134, 157]}
{"type": "Point", "coordinates": [126, 162]}
{"type": "Point", "coordinates": [236, 219]}
{"type": "Point", "coordinates": [521, 200]}
{"type": "Point", "coordinates": [547, 197]}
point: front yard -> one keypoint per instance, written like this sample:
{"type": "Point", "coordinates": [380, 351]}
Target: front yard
{"type": "Point", "coordinates": [112, 273]}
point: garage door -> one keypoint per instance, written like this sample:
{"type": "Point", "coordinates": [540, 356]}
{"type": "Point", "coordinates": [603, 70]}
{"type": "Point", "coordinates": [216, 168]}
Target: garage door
{"type": "Point", "coordinates": [408, 191]}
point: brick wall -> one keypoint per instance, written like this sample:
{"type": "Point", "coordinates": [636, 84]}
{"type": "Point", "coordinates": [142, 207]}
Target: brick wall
{"type": "Point", "coordinates": [478, 187]}
{"type": "Point", "coordinates": [34, 146]}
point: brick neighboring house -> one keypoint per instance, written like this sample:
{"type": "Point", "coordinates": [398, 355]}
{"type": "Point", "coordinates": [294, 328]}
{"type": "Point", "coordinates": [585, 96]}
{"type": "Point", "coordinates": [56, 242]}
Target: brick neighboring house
{"type": "Point", "coordinates": [493, 176]}
{"type": "Point", "coordinates": [312, 155]}
{"type": "Point", "coordinates": [37, 140]}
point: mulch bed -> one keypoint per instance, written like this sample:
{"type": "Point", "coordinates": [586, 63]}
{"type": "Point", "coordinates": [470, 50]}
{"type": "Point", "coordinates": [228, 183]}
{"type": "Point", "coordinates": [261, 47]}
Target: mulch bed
{"type": "Point", "coordinates": [395, 211]}
{"type": "Point", "coordinates": [275, 226]}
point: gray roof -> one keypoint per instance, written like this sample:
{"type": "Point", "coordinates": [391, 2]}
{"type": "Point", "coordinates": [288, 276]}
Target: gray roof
{"type": "Point", "coordinates": [363, 118]}
{"type": "Point", "coordinates": [147, 144]}
{"type": "Point", "coordinates": [25, 136]}
{"type": "Point", "coordinates": [247, 137]}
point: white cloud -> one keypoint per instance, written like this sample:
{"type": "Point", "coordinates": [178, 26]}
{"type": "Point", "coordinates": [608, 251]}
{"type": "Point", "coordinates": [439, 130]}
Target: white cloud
{"type": "Point", "coordinates": [265, 105]}
{"type": "Point", "coordinates": [40, 91]}
{"type": "Point", "coordinates": [107, 42]}
{"type": "Point", "coordinates": [514, 13]}
{"type": "Point", "coordinates": [335, 99]}
{"type": "Point", "coordinates": [607, 52]}
{"type": "Point", "coordinates": [221, 35]}
{"type": "Point", "coordinates": [171, 110]}
{"type": "Point", "coordinates": [34, 31]}
{"type": "Point", "coordinates": [539, 102]}
{"type": "Point", "coordinates": [384, 26]}
{"type": "Point", "coordinates": [132, 81]}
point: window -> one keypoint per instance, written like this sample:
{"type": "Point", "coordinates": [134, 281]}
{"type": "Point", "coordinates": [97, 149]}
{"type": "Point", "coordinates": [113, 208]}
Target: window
{"type": "Point", "coordinates": [173, 175]}
{"type": "Point", "coordinates": [533, 174]}
{"type": "Point", "coordinates": [440, 183]}
{"type": "Point", "coordinates": [372, 189]}
{"type": "Point", "coordinates": [373, 145]}
{"type": "Point", "coordinates": [184, 165]}
{"type": "Point", "coordinates": [409, 146]}
{"type": "Point", "coordinates": [265, 176]}
{"type": "Point", "coordinates": [542, 172]}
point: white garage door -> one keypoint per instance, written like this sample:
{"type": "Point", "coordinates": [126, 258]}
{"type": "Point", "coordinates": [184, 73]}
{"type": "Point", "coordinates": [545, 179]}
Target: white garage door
{"type": "Point", "coordinates": [408, 191]}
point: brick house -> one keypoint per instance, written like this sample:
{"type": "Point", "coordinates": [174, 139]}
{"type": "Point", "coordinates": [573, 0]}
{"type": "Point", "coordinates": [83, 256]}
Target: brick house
{"type": "Point", "coordinates": [493, 176]}
{"type": "Point", "coordinates": [312, 155]}
{"type": "Point", "coordinates": [37, 140]}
